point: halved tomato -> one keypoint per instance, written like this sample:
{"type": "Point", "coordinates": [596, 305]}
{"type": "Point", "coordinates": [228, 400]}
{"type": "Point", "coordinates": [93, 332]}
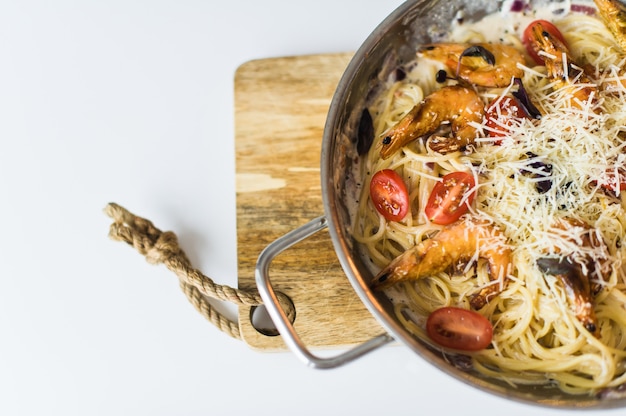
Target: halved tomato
{"type": "Point", "coordinates": [501, 113]}
{"type": "Point", "coordinates": [389, 195]}
{"type": "Point", "coordinates": [450, 198]}
{"type": "Point", "coordinates": [527, 38]}
{"type": "Point", "coordinates": [460, 329]}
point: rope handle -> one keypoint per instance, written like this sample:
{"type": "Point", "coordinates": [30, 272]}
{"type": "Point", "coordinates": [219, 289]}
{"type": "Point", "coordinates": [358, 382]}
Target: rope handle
{"type": "Point", "coordinates": [160, 247]}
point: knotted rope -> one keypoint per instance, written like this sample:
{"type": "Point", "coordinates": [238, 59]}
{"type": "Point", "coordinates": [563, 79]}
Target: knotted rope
{"type": "Point", "coordinates": [162, 248]}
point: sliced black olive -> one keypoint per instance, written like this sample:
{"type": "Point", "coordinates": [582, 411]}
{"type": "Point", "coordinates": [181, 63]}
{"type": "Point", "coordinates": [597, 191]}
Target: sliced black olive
{"type": "Point", "coordinates": [400, 74]}
{"type": "Point", "coordinates": [522, 96]}
{"type": "Point", "coordinates": [556, 266]}
{"type": "Point", "coordinates": [480, 51]}
{"type": "Point", "coordinates": [542, 185]}
{"type": "Point", "coordinates": [365, 133]}
{"type": "Point", "coordinates": [441, 76]}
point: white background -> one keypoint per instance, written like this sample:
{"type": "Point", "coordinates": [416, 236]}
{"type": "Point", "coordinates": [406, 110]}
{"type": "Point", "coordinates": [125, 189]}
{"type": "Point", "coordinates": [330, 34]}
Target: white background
{"type": "Point", "coordinates": [132, 101]}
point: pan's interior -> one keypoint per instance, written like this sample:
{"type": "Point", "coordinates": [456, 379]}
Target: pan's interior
{"type": "Point", "coordinates": [392, 43]}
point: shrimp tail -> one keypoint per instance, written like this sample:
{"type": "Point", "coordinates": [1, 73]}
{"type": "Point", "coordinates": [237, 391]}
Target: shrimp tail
{"type": "Point", "coordinates": [410, 265]}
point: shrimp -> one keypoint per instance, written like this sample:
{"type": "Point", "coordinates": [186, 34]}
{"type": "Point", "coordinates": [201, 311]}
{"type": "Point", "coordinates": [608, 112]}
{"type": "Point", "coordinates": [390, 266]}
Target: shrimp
{"type": "Point", "coordinates": [480, 64]}
{"type": "Point", "coordinates": [562, 69]}
{"type": "Point", "coordinates": [455, 104]}
{"type": "Point", "coordinates": [576, 285]}
{"type": "Point", "coordinates": [575, 273]}
{"type": "Point", "coordinates": [457, 243]}
{"type": "Point", "coordinates": [613, 13]}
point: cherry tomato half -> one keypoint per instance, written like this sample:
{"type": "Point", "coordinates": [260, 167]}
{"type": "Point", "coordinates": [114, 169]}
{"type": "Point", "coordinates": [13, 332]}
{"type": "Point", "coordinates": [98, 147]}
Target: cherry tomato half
{"type": "Point", "coordinates": [501, 113]}
{"type": "Point", "coordinates": [450, 198]}
{"type": "Point", "coordinates": [460, 329]}
{"type": "Point", "coordinates": [528, 35]}
{"type": "Point", "coordinates": [389, 195]}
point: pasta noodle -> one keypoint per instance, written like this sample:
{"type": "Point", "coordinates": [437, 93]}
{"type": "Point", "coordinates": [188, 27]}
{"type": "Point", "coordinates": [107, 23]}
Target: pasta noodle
{"type": "Point", "coordinates": [537, 338]}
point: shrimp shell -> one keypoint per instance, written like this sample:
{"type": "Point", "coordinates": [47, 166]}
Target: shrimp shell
{"type": "Point", "coordinates": [561, 68]}
{"type": "Point", "coordinates": [477, 70]}
{"type": "Point", "coordinates": [614, 15]}
{"type": "Point", "coordinates": [460, 106]}
{"type": "Point", "coordinates": [459, 242]}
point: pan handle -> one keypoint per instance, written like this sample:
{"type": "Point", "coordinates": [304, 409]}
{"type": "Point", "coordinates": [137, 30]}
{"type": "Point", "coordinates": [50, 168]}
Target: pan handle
{"type": "Point", "coordinates": [283, 324]}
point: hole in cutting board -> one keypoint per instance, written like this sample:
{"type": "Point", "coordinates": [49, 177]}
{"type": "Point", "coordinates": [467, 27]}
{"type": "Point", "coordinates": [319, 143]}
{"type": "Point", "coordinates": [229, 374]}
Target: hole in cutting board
{"type": "Point", "coordinates": [262, 322]}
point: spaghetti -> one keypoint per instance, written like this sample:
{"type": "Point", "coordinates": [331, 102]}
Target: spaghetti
{"type": "Point", "coordinates": [537, 338]}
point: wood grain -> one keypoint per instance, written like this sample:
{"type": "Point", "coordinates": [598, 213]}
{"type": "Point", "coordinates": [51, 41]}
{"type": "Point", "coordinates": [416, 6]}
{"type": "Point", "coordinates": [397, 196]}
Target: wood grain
{"type": "Point", "coordinates": [280, 110]}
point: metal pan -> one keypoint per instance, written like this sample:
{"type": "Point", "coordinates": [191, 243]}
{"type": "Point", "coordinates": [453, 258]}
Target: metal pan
{"type": "Point", "coordinates": [393, 42]}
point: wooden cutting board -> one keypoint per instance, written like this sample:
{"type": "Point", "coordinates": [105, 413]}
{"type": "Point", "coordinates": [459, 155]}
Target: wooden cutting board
{"type": "Point", "coordinates": [280, 110]}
